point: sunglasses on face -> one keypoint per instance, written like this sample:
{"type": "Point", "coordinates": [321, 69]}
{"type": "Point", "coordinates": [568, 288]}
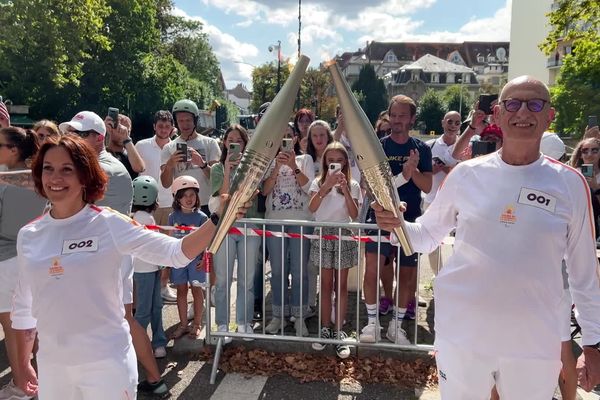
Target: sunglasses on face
{"type": "Point", "coordinates": [593, 150]}
{"type": "Point", "coordinates": [84, 134]}
{"type": "Point", "coordinates": [450, 122]}
{"type": "Point", "coordinates": [8, 146]}
{"type": "Point", "coordinates": [533, 105]}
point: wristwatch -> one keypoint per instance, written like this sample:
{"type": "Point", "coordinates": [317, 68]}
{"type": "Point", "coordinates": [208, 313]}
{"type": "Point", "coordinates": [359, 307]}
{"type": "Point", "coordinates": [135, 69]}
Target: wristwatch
{"type": "Point", "coordinates": [127, 141]}
{"type": "Point", "coordinates": [297, 171]}
{"type": "Point", "coordinates": [204, 166]}
{"type": "Point", "coordinates": [214, 218]}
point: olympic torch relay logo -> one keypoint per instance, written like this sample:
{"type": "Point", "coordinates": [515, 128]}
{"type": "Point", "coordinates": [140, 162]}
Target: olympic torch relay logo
{"type": "Point", "coordinates": [56, 270]}
{"type": "Point", "coordinates": [508, 216]}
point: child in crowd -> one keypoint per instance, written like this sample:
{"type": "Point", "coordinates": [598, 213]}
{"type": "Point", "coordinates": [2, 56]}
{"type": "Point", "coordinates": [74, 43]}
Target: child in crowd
{"type": "Point", "coordinates": [146, 276]}
{"type": "Point", "coordinates": [334, 198]}
{"type": "Point", "coordinates": [186, 213]}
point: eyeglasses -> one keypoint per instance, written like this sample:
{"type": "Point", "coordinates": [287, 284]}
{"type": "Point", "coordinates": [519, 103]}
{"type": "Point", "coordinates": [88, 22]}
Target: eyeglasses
{"type": "Point", "coordinates": [451, 122]}
{"type": "Point", "coordinates": [533, 105]}
{"type": "Point", "coordinates": [384, 132]}
{"type": "Point", "coordinates": [593, 150]}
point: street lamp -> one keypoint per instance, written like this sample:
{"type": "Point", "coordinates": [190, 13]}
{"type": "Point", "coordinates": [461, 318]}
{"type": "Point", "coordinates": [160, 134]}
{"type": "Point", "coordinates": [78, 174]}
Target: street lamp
{"type": "Point", "coordinates": [271, 49]}
{"type": "Point", "coordinates": [460, 81]}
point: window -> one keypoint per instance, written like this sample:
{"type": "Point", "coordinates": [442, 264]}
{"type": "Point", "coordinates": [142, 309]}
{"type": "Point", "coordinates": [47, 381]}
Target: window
{"type": "Point", "coordinates": [450, 78]}
{"type": "Point", "coordinates": [480, 58]}
{"type": "Point", "coordinates": [435, 77]}
{"type": "Point", "coordinates": [390, 57]}
{"type": "Point", "coordinates": [466, 78]}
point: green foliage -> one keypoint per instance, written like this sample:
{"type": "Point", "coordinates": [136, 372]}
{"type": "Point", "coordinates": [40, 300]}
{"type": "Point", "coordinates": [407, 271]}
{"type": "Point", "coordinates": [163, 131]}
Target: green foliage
{"type": "Point", "coordinates": [451, 97]}
{"type": "Point", "coordinates": [431, 112]}
{"type": "Point", "coordinates": [264, 83]}
{"type": "Point", "coordinates": [373, 89]}
{"type": "Point", "coordinates": [577, 91]}
{"type": "Point", "coordinates": [573, 20]}
{"type": "Point", "coordinates": [62, 56]}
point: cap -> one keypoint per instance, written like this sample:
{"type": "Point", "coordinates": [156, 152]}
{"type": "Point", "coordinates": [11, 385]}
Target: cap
{"type": "Point", "coordinates": [263, 108]}
{"type": "Point", "coordinates": [85, 121]}
{"type": "Point", "coordinates": [552, 145]}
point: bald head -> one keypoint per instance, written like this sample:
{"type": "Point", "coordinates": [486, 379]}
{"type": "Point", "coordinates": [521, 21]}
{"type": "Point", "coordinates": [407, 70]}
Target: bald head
{"type": "Point", "coordinates": [525, 82]}
{"type": "Point", "coordinates": [452, 114]}
{"type": "Point", "coordinates": [451, 125]}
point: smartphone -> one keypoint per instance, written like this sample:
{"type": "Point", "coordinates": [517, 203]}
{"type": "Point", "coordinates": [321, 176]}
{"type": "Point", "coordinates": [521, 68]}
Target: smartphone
{"type": "Point", "coordinates": [587, 170]}
{"type": "Point", "coordinates": [113, 113]}
{"type": "Point", "coordinates": [287, 144]}
{"type": "Point", "coordinates": [481, 148]}
{"type": "Point", "coordinates": [592, 121]}
{"type": "Point", "coordinates": [485, 102]}
{"type": "Point", "coordinates": [334, 167]}
{"type": "Point", "coordinates": [437, 160]}
{"type": "Point", "coordinates": [234, 151]}
{"type": "Point", "coordinates": [182, 148]}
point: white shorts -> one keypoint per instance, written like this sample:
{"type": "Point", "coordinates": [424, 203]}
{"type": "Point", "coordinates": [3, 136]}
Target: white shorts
{"type": "Point", "coordinates": [9, 276]}
{"type": "Point", "coordinates": [565, 311]}
{"type": "Point", "coordinates": [466, 375]}
{"type": "Point", "coordinates": [110, 378]}
{"type": "Point", "coordinates": [127, 275]}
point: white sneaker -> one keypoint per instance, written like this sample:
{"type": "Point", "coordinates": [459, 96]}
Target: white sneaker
{"type": "Point", "coordinates": [224, 328]}
{"type": "Point", "coordinates": [190, 312]}
{"type": "Point", "coordinates": [326, 333]}
{"type": "Point", "coordinates": [300, 326]}
{"type": "Point", "coordinates": [370, 333]}
{"type": "Point", "coordinates": [395, 334]}
{"type": "Point", "coordinates": [168, 293]}
{"type": "Point", "coordinates": [342, 350]}
{"type": "Point", "coordinates": [11, 392]}
{"type": "Point", "coordinates": [275, 326]}
{"type": "Point", "coordinates": [246, 329]}
{"type": "Point", "coordinates": [160, 352]}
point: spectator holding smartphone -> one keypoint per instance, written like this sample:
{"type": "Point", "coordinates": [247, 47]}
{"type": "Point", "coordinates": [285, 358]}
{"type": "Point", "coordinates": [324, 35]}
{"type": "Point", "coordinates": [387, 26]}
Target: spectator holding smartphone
{"type": "Point", "coordinates": [244, 248]}
{"type": "Point", "coordinates": [586, 158]}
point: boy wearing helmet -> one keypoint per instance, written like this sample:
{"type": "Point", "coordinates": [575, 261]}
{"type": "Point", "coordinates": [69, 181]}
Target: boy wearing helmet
{"type": "Point", "coordinates": [187, 214]}
{"type": "Point", "coordinates": [202, 152]}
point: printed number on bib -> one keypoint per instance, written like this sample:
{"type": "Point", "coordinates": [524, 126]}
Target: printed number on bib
{"type": "Point", "coordinates": [89, 244]}
{"type": "Point", "coordinates": [535, 198]}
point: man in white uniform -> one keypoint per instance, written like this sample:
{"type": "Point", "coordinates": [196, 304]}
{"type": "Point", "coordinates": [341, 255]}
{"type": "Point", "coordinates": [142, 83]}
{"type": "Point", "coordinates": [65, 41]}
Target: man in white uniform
{"type": "Point", "coordinates": [517, 215]}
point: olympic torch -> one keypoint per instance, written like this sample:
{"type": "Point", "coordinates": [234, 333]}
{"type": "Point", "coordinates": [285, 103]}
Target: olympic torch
{"type": "Point", "coordinates": [260, 152]}
{"type": "Point", "coordinates": [371, 159]}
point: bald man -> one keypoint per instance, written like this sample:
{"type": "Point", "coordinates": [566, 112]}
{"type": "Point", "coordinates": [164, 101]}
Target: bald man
{"type": "Point", "coordinates": [517, 215]}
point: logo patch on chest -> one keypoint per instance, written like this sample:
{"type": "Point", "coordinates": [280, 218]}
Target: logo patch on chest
{"type": "Point", "coordinates": [508, 216]}
{"type": "Point", "coordinates": [535, 198]}
{"type": "Point", "coordinates": [56, 270]}
{"type": "Point", "coordinates": [89, 244]}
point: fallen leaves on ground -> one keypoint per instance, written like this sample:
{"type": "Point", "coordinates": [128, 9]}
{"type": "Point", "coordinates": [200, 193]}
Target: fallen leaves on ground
{"type": "Point", "coordinates": [418, 373]}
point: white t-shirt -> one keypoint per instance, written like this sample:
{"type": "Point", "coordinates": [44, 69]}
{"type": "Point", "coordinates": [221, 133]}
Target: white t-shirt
{"type": "Point", "coordinates": [500, 291]}
{"type": "Point", "coordinates": [70, 284]}
{"type": "Point", "coordinates": [150, 152]}
{"type": "Point", "coordinates": [143, 218]}
{"type": "Point", "coordinates": [444, 152]}
{"type": "Point", "coordinates": [208, 149]}
{"type": "Point", "coordinates": [288, 200]}
{"type": "Point", "coordinates": [333, 205]}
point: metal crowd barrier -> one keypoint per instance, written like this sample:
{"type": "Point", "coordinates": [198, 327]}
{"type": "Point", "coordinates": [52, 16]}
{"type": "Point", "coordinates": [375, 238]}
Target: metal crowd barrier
{"type": "Point", "coordinates": [216, 337]}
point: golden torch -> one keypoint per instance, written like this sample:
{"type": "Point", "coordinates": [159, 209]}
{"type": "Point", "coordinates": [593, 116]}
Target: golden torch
{"type": "Point", "coordinates": [260, 152]}
{"type": "Point", "coordinates": [371, 159]}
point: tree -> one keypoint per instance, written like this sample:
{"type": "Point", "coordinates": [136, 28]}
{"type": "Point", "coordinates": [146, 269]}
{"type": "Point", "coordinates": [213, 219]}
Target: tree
{"type": "Point", "coordinates": [314, 93]}
{"type": "Point", "coordinates": [577, 91]}
{"type": "Point", "coordinates": [453, 102]}
{"type": "Point", "coordinates": [373, 89]}
{"type": "Point", "coordinates": [431, 112]}
{"type": "Point", "coordinates": [264, 83]}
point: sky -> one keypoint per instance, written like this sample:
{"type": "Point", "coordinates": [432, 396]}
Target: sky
{"type": "Point", "coordinates": [241, 31]}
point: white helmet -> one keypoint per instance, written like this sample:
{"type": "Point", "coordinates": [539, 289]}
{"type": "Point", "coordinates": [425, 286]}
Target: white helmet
{"type": "Point", "coordinates": [552, 145]}
{"type": "Point", "coordinates": [184, 182]}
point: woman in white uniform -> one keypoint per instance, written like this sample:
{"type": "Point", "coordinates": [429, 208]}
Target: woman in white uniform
{"type": "Point", "coordinates": [70, 286]}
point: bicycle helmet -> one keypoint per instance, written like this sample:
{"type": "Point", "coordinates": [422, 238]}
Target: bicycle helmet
{"type": "Point", "coordinates": [184, 182]}
{"type": "Point", "coordinates": [145, 190]}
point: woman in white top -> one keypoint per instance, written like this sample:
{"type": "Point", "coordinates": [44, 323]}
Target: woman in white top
{"type": "Point", "coordinates": [286, 187]}
{"type": "Point", "coordinates": [587, 152]}
{"type": "Point", "coordinates": [70, 285]}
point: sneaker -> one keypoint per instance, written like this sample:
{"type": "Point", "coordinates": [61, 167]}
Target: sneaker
{"type": "Point", "coordinates": [275, 326]}
{"type": "Point", "coordinates": [300, 327]}
{"type": "Point", "coordinates": [342, 350]}
{"type": "Point", "coordinates": [326, 333]}
{"type": "Point", "coordinates": [397, 335]}
{"type": "Point", "coordinates": [226, 339]}
{"type": "Point", "coordinates": [159, 388]}
{"type": "Point", "coordinates": [257, 316]}
{"type": "Point", "coordinates": [160, 352]}
{"type": "Point", "coordinates": [422, 302]}
{"type": "Point", "coordinates": [168, 294]}
{"type": "Point", "coordinates": [370, 333]}
{"type": "Point", "coordinates": [246, 329]}
{"type": "Point", "coordinates": [410, 311]}
{"type": "Point", "coordinates": [12, 392]}
{"type": "Point", "coordinates": [190, 312]}
{"type": "Point", "coordinates": [385, 305]}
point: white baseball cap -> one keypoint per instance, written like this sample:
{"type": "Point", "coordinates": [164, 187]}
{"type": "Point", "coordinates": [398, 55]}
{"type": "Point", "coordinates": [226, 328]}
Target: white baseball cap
{"type": "Point", "coordinates": [552, 145]}
{"type": "Point", "coordinates": [85, 121]}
